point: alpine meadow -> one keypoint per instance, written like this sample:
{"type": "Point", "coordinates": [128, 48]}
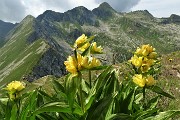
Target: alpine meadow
{"type": "Point", "coordinates": [95, 64]}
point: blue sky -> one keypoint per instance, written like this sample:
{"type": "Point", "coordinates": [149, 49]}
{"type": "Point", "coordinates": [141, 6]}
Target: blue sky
{"type": "Point", "coordinates": [16, 10]}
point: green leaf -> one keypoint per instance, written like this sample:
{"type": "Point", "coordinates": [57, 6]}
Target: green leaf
{"type": "Point", "coordinates": [89, 102]}
{"type": "Point", "coordinates": [119, 116]}
{"type": "Point", "coordinates": [90, 38]}
{"type": "Point", "coordinates": [3, 106]}
{"type": "Point", "coordinates": [58, 86]}
{"type": "Point", "coordinates": [127, 103]}
{"type": "Point", "coordinates": [140, 115]}
{"type": "Point", "coordinates": [85, 87]}
{"type": "Point", "coordinates": [8, 109]}
{"type": "Point", "coordinates": [53, 107]}
{"type": "Point", "coordinates": [45, 116]}
{"type": "Point", "coordinates": [71, 88]}
{"type": "Point", "coordinates": [101, 80]}
{"type": "Point", "coordinates": [45, 95]}
{"type": "Point", "coordinates": [164, 115]}
{"type": "Point", "coordinates": [29, 105]}
{"type": "Point", "coordinates": [158, 90]}
{"type": "Point", "coordinates": [87, 51]}
{"type": "Point", "coordinates": [98, 110]}
{"type": "Point", "coordinates": [14, 112]}
{"type": "Point", "coordinates": [153, 102]}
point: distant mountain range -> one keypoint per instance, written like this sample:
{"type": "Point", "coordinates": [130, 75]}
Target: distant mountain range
{"type": "Point", "coordinates": [38, 46]}
{"type": "Point", "coordinates": [5, 27]}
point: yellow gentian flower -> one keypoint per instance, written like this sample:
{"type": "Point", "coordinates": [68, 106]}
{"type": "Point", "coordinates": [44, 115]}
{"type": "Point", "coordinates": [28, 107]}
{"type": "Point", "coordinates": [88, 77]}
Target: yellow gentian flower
{"type": "Point", "coordinates": [71, 65]}
{"type": "Point", "coordinates": [96, 49]}
{"type": "Point", "coordinates": [145, 68]}
{"type": "Point", "coordinates": [90, 62]}
{"type": "Point", "coordinates": [84, 47]}
{"type": "Point", "coordinates": [150, 80]}
{"type": "Point", "coordinates": [94, 63]}
{"type": "Point", "coordinates": [147, 61]}
{"type": "Point", "coordinates": [80, 41]}
{"type": "Point", "coordinates": [139, 80]}
{"type": "Point", "coordinates": [138, 51]}
{"type": "Point", "coordinates": [15, 86]}
{"type": "Point", "coordinates": [152, 55]}
{"type": "Point", "coordinates": [136, 61]}
{"type": "Point", "coordinates": [146, 49]}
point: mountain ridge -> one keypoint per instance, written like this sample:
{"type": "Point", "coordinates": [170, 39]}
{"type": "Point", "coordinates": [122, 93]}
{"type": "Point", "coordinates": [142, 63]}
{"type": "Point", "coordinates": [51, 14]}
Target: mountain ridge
{"type": "Point", "coordinates": [47, 39]}
{"type": "Point", "coordinates": [5, 27]}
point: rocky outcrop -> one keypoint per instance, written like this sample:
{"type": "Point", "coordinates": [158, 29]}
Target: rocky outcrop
{"type": "Point", "coordinates": [174, 18]}
{"type": "Point", "coordinates": [79, 15]}
{"type": "Point", "coordinates": [51, 63]}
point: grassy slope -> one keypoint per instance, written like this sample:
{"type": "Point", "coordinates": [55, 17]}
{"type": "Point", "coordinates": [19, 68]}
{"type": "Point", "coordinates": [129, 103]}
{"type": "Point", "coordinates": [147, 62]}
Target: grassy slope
{"type": "Point", "coordinates": [123, 33]}
{"type": "Point", "coordinates": [170, 79]}
{"type": "Point", "coordinates": [18, 56]}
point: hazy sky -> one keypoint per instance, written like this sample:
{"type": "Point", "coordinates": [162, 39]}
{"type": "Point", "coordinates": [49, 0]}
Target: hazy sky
{"type": "Point", "coordinates": [16, 10]}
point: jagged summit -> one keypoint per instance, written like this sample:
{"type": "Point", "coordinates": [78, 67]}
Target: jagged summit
{"type": "Point", "coordinates": [27, 19]}
{"type": "Point", "coordinates": [143, 14]}
{"type": "Point", "coordinates": [174, 18]}
{"type": "Point", "coordinates": [49, 15]}
{"type": "Point", "coordinates": [104, 11]}
{"type": "Point", "coordinates": [105, 5]}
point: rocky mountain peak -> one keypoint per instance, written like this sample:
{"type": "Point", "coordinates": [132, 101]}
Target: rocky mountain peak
{"type": "Point", "coordinates": [27, 19]}
{"type": "Point", "coordinates": [174, 18]}
{"type": "Point", "coordinates": [50, 16]}
{"type": "Point", "coordinates": [104, 11]}
{"type": "Point", "coordinates": [105, 5]}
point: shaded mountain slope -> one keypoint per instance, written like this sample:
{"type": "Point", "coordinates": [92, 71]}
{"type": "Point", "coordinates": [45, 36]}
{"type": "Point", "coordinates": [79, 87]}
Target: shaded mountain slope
{"type": "Point", "coordinates": [5, 27]}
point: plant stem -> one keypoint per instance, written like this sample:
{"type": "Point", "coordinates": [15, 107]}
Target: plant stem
{"type": "Point", "coordinates": [81, 94]}
{"type": "Point", "coordinates": [81, 97]}
{"type": "Point", "coordinates": [144, 97]}
{"type": "Point", "coordinates": [90, 79]}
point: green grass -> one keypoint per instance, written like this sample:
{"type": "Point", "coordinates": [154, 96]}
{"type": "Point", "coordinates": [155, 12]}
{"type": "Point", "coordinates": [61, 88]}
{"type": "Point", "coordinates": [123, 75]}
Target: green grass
{"type": "Point", "coordinates": [18, 52]}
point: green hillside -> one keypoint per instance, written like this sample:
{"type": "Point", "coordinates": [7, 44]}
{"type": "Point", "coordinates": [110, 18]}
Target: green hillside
{"type": "Point", "coordinates": [19, 57]}
{"type": "Point", "coordinates": [37, 47]}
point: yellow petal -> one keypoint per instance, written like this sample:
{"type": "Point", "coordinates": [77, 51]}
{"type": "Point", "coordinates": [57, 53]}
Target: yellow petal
{"type": "Point", "coordinates": [84, 47]}
{"type": "Point", "coordinates": [80, 40]}
{"type": "Point", "coordinates": [150, 81]}
{"type": "Point", "coordinates": [96, 49]}
{"type": "Point", "coordinates": [139, 80]}
{"type": "Point", "coordinates": [145, 68]}
{"type": "Point", "coordinates": [152, 55]}
{"type": "Point", "coordinates": [146, 49]}
{"type": "Point", "coordinates": [138, 51]}
{"type": "Point", "coordinates": [15, 86]}
{"type": "Point", "coordinates": [71, 65]}
{"type": "Point", "coordinates": [136, 61]}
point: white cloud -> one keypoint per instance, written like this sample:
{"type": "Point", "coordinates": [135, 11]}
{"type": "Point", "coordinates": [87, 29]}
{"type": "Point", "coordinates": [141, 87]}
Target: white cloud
{"type": "Point", "coordinates": [121, 5]}
{"type": "Point", "coordinates": [36, 7]}
{"type": "Point", "coordinates": [16, 10]}
{"type": "Point", "coordinates": [12, 10]}
{"type": "Point", "coordinates": [163, 8]}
